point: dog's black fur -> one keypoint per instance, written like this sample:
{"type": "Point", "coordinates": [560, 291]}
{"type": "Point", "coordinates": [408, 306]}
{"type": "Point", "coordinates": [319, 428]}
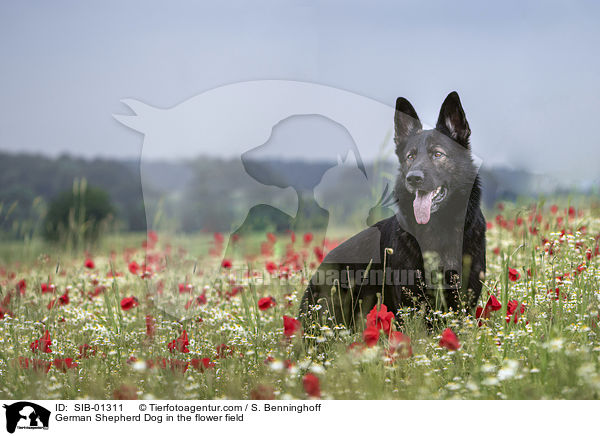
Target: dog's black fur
{"type": "Point", "coordinates": [447, 221]}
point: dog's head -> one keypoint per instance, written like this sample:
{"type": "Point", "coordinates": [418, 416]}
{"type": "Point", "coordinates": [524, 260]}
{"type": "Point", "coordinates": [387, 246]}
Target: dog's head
{"type": "Point", "coordinates": [436, 164]}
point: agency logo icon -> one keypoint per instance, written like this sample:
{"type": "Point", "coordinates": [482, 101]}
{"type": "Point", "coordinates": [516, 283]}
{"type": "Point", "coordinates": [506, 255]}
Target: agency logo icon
{"type": "Point", "coordinates": [26, 415]}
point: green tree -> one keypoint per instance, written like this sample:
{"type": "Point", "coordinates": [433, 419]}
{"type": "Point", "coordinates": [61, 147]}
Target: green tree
{"type": "Point", "coordinates": [79, 215]}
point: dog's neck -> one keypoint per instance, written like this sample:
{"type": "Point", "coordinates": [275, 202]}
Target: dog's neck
{"type": "Point", "coordinates": [442, 237]}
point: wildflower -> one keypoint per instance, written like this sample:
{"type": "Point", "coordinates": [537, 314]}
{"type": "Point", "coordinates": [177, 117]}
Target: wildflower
{"type": "Point", "coordinates": [47, 288]}
{"type": "Point", "coordinates": [128, 303]}
{"type": "Point", "coordinates": [224, 351]}
{"type": "Point", "coordinates": [381, 319]}
{"type": "Point", "coordinates": [202, 364]}
{"type": "Point", "coordinates": [320, 255]}
{"type": "Point", "coordinates": [42, 344]}
{"type": "Point", "coordinates": [513, 275]}
{"type": "Point", "coordinates": [371, 335]}
{"type": "Point", "coordinates": [227, 264]}
{"type": "Point", "coordinates": [150, 325]}
{"type": "Point", "coordinates": [312, 385]}
{"type": "Point", "coordinates": [41, 365]}
{"type": "Point", "coordinates": [399, 345]}
{"type": "Point", "coordinates": [271, 267]}
{"type": "Point", "coordinates": [133, 267]}
{"type": "Point", "coordinates": [177, 365]}
{"type": "Point", "coordinates": [290, 326]}
{"type": "Point", "coordinates": [493, 303]}
{"type": "Point", "coordinates": [180, 344]}
{"type": "Point", "coordinates": [266, 303]}
{"type": "Point", "coordinates": [449, 340]}
{"type": "Point", "coordinates": [198, 301]}
{"type": "Point", "coordinates": [21, 286]}
{"type": "Point", "coordinates": [64, 364]}
{"type": "Point", "coordinates": [219, 238]}
{"type": "Point", "coordinates": [86, 351]}
{"type": "Point", "coordinates": [308, 237]}
{"type": "Point", "coordinates": [184, 289]}
{"type": "Point", "coordinates": [89, 263]}
{"type": "Point", "coordinates": [511, 307]}
{"type": "Point", "coordinates": [272, 238]}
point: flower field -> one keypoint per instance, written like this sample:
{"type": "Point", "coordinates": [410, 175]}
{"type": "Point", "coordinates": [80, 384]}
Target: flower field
{"type": "Point", "coordinates": [159, 316]}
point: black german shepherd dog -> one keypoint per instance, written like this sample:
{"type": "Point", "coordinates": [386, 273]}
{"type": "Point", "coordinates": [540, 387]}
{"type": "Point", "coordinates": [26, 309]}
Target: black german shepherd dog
{"type": "Point", "coordinates": [419, 256]}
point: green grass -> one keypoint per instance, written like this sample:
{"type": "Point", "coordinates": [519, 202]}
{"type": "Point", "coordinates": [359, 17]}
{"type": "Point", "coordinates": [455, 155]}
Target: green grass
{"type": "Point", "coordinates": [551, 352]}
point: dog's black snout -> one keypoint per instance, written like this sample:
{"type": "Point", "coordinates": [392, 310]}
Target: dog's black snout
{"type": "Point", "coordinates": [415, 178]}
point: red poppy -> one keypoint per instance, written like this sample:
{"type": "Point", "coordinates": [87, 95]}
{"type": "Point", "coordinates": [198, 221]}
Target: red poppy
{"type": "Point", "coordinates": [266, 249]}
{"type": "Point", "coordinates": [272, 238]}
{"type": "Point", "coordinates": [97, 291]}
{"type": "Point", "coordinates": [271, 267]}
{"type": "Point", "coordinates": [557, 294]}
{"type": "Point", "coordinates": [371, 335]}
{"type": "Point", "coordinates": [513, 275]}
{"type": "Point", "coordinates": [308, 237]}
{"type": "Point", "coordinates": [312, 385]}
{"type": "Point", "coordinates": [319, 254]}
{"type": "Point", "coordinates": [86, 351]}
{"type": "Point", "coordinates": [22, 286]}
{"type": "Point", "coordinates": [219, 238]}
{"type": "Point", "coordinates": [266, 303]}
{"type": "Point", "coordinates": [64, 364]}
{"type": "Point", "coordinates": [202, 364]}
{"type": "Point", "coordinates": [150, 325]}
{"type": "Point", "coordinates": [554, 209]}
{"type": "Point", "coordinates": [198, 301]}
{"type": "Point", "coordinates": [184, 289]}
{"type": "Point", "coordinates": [290, 326]}
{"type": "Point", "coordinates": [41, 365]}
{"type": "Point", "coordinates": [42, 344]}
{"type": "Point", "coordinates": [180, 344]}
{"type": "Point", "coordinates": [47, 288]}
{"type": "Point", "coordinates": [224, 351]}
{"type": "Point", "coordinates": [36, 364]}
{"type": "Point", "coordinates": [177, 365]}
{"type": "Point", "coordinates": [511, 308]}
{"type": "Point", "coordinates": [134, 268]}
{"type": "Point", "coordinates": [399, 345]}
{"type": "Point", "coordinates": [382, 319]}
{"type": "Point", "coordinates": [89, 263]}
{"type": "Point", "coordinates": [449, 340]}
{"type": "Point", "coordinates": [493, 303]}
{"type": "Point", "coordinates": [64, 298]}
{"type": "Point", "coordinates": [227, 264]}
{"type": "Point", "coordinates": [128, 303]}
{"type": "Point", "coordinates": [153, 236]}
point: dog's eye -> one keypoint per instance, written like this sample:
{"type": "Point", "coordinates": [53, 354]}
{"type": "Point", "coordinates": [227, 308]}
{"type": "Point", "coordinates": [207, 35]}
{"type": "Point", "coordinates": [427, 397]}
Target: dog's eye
{"type": "Point", "coordinates": [410, 156]}
{"type": "Point", "coordinates": [438, 154]}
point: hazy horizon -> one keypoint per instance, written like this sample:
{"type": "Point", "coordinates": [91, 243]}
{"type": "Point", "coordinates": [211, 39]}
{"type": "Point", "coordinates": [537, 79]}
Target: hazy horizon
{"type": "Point", "coordinates": [526, 73]}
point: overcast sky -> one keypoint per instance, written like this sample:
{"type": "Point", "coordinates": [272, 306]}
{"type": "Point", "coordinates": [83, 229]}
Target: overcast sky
{"type": "Point", "coordinates": [528, 74]}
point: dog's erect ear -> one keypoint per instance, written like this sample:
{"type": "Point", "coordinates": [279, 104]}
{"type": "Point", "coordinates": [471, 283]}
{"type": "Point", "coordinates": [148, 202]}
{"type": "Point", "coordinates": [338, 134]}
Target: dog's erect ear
{"type": "Point", "coordinates": [406, 121]}
{"type": "Point", "coordinates": [452, 120]}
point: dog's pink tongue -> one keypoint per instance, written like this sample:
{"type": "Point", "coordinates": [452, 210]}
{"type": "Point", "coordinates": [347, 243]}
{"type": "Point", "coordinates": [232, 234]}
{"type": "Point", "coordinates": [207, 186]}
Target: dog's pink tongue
{"type": "Point", "coordinates": [422, 206]}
